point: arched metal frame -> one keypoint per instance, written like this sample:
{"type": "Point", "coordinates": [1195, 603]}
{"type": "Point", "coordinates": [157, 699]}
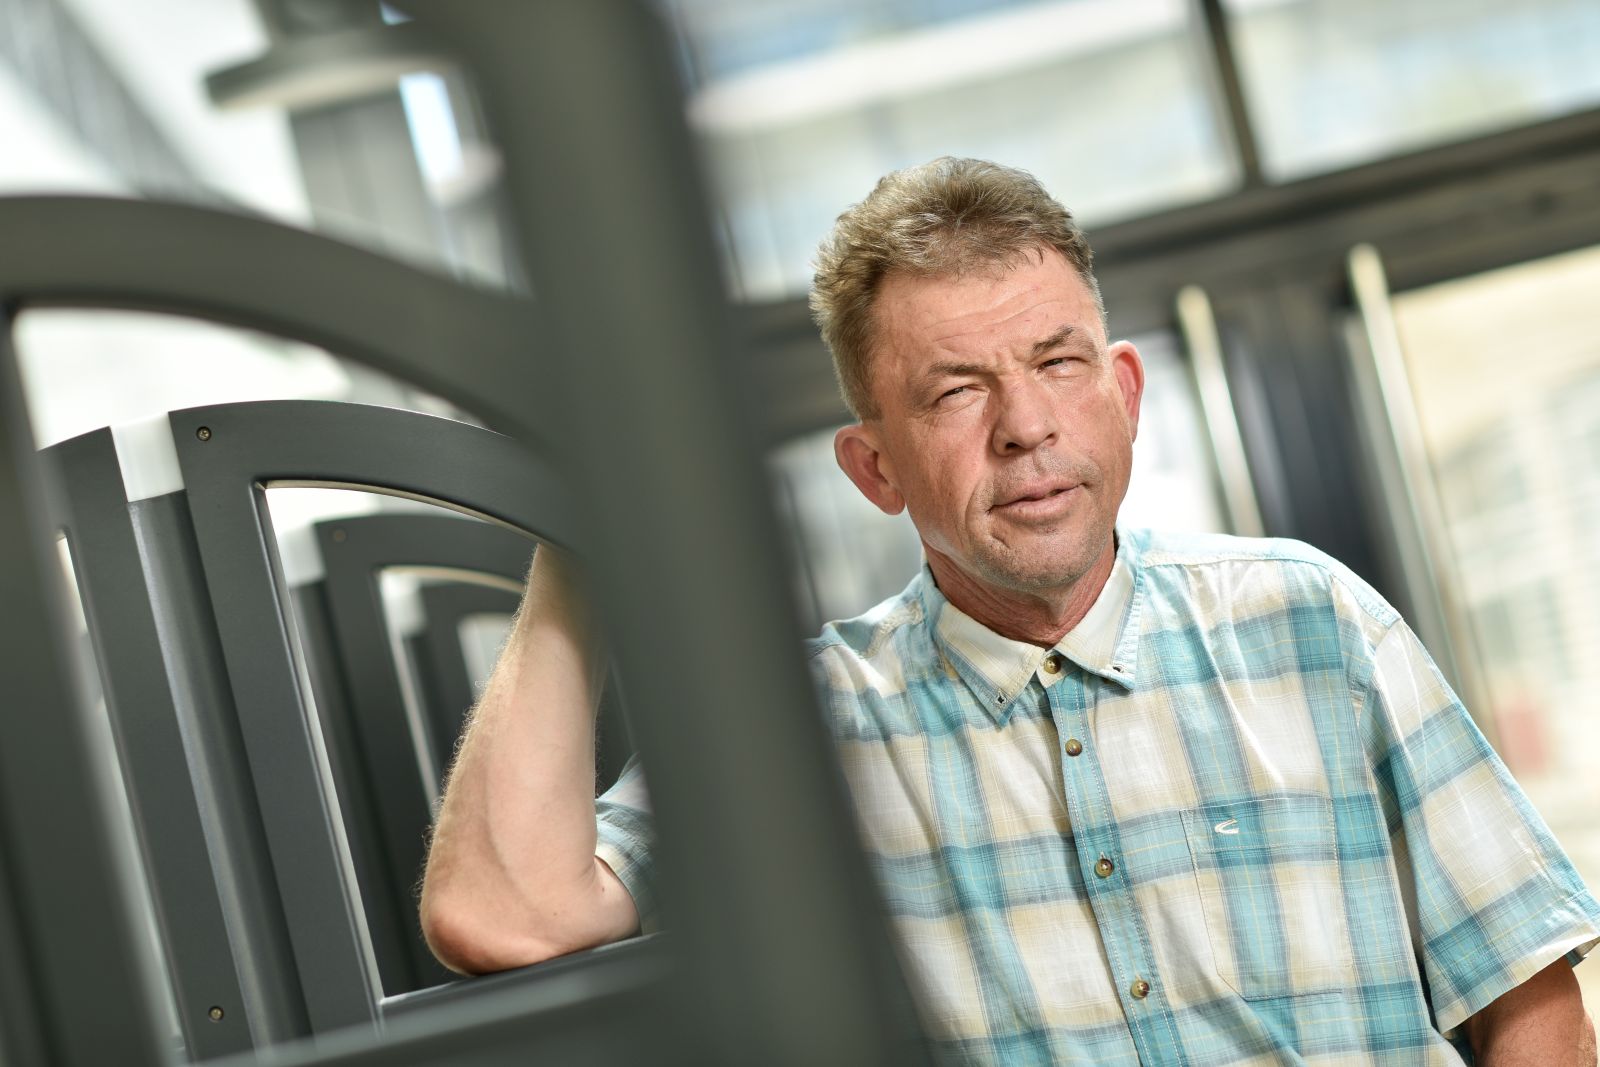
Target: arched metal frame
{"type": "Point", "coordinates": [355, 552]}
{"type": "Point", "coordinates": [229, 455]}
{"type": "Point", "coordinates": [132, 637]}
{"type": "Point", "coordinates": [780, 934]}
{"type": "Point", "coordinates": [442, 667]}
{"type": "Point", "coordinates": [67, 881]}
{"type": "Point", "coordinates": [375, 755]}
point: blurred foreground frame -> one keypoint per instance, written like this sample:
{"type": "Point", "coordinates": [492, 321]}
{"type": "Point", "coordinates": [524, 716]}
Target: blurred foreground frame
{"type": "Point", "coordinates": [779, 951]}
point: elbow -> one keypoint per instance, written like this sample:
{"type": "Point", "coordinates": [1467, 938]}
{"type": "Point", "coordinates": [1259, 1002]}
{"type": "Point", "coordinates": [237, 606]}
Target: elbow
{"type": "Point", "coordinates": [467, 938]}
{"type": "Point", "coordinates": [453, 937]}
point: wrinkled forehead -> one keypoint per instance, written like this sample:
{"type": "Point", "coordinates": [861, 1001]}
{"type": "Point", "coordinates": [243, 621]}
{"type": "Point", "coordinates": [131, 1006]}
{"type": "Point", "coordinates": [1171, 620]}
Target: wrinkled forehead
{"type": "Point", "coordinates": [1020, 292]}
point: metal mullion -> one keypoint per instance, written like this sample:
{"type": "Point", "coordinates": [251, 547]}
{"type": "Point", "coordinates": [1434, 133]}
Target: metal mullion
{"type": "Point", "coordinates": [133, 652]}
{"type": "Point", "coordinates": [70, 925]}
{"type": "Point", "coordinates": [787, 956]}
{"type": "Point", "coordinates": [1229, 88]}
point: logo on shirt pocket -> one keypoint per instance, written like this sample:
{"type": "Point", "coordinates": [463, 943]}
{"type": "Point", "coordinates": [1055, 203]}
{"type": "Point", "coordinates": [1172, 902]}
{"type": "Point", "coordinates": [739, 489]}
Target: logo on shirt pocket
{"type": "Point", "coordinates": [1267, 871]}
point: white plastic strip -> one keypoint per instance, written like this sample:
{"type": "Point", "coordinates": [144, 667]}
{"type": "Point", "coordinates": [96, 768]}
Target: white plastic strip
{"type": "Point", "coordinates": [148, 458]}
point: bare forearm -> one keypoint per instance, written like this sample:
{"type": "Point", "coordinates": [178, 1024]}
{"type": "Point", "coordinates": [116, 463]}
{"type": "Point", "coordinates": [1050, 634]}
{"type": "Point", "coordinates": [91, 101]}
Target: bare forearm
{"type": "Point", "coordinates": [512, 875]}
{"type": "Point", "coordinates": [1541, 1023]}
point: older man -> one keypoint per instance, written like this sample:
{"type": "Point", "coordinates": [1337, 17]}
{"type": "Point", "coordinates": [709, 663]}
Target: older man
{"type": "Point", "coordinates": [1130, 798]}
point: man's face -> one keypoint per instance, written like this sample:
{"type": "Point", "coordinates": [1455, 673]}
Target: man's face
{"type": "Point", "coordinates": [1006, 423]}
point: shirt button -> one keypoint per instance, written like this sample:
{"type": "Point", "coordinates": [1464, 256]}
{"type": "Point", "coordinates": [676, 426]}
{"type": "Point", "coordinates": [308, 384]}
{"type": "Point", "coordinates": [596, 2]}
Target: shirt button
{"type": "Point", "coordinates": [1074, 747]}
{"type": "Point", "coordinates": [1103, 867]}
{"type": "Point", "coordinates": [1052, 664]}
{"type": "Point", "coordinates": [1140, 989]}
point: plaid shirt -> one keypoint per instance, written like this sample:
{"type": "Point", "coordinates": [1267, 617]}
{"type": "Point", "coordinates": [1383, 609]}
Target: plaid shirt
{"type": "Point", "coordinates": [1234, 817]}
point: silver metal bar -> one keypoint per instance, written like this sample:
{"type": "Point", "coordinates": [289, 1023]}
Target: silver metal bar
{"type": "Point", "coordinates": [1200, 337]}
{"type": "Point", "coordinates": [324, 69]}
{"type": "Point", "coordinates": [1229, 86]}
{"type": "Point", "coordinates": [1405, 475]}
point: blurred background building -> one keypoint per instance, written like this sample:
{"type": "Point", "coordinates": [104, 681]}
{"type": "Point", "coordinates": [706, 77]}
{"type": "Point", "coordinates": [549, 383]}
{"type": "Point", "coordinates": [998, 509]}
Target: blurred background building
{"type": "Point", "coordinates": [1358, 244]}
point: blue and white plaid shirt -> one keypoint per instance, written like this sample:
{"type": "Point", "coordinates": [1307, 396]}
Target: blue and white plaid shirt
{"type": "Point", "coordinates": [1234, 817]}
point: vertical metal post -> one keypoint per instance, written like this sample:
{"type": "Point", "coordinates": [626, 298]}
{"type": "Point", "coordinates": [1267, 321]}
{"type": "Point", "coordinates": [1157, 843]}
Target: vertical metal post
{"type": "Point", "coordinates": [76, 980]}
{"type": "Point", "coordinates": [786, 948]}
{"type": "Point", "coordinates": [167, 809]}
{"type": "Point", "coordinates": [219, 770]}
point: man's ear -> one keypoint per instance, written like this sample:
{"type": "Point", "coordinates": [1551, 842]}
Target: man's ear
{"type": "Point", "coordinates": [1128, 369]}
{"type": "Point", "coordinates": [857, 449]}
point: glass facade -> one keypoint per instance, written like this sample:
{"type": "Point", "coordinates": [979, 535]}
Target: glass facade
{"type": "Point", "coordinates": [1331, 83]}
{"type": "Point", "coordinates": [801, 108]}
{"type": "Point", "coordinates": [1505, 369]}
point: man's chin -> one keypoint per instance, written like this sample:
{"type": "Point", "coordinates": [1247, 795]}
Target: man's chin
{"type": "Point", "coordinates": [1037, 569]}
{"type": "Point", "coordinates": [1035, 577]}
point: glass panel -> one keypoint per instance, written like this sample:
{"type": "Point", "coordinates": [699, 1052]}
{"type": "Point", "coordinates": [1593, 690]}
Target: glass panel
{"type": "Point", "coordinates": [849, 555]}
{"type": "Point", "coordinates": [111, 98]}
{"type": "Point", "coordinates": [103, 97]}
{"type": "Point", "coordinates": [1336, 82]}
{"type": "Point", "coordinates": [1505, 368]}
{"type": "Point", "coordinates": [1174, 484]}
{"type": "Point", "coordinates": [802, 107]}
{"type": "Point", "coordinates": [482, 637]}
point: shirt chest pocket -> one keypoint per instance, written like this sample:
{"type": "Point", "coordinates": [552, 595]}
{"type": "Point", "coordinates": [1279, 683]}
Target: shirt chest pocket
{"type": "Point", "coordinates": [1268, 875]}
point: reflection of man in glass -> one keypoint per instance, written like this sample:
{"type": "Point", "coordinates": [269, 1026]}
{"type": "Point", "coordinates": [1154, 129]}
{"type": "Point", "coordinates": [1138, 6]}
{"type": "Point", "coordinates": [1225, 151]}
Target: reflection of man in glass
{"type": "Point", "coordinates": [1130, 797]}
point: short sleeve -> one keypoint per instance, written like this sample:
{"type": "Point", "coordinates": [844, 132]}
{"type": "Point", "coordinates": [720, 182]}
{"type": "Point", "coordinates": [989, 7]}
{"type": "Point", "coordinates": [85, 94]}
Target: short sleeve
{"type": "Point", "coordinates": [1494, 898]}
{"type": "Point", "coordinates": [625, 840]}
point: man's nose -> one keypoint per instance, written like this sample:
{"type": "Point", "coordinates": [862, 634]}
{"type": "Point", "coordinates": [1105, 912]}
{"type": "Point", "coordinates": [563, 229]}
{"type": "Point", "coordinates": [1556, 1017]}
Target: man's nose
{"type": "Point", "coordinates": [1025, 418]}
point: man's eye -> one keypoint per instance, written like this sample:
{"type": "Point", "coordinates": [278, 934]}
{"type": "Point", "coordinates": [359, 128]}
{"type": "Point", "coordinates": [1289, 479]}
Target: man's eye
{"type": "Point", "coordinates": [955, 391]}
{"type": "Point", "coordinates": [1058, 361]}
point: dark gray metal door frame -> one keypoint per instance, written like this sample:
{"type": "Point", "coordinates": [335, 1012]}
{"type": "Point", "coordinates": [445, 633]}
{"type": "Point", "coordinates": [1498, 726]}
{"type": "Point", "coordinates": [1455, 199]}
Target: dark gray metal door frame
{"type": "Point", "coordinates": [786, 961]}
{"type": "Point", "coordinates": [229, 455]}
{"type": "Point", "coordinates": [216, 1011]}
{"type": "Point", "coordinates": [785, 951]}
{"type": "Point", "coordinates": [77, 985]}
{"type": "Point", "coordinates": [355, 552]}
{"type": "Point", "coordinates": [382, 761]}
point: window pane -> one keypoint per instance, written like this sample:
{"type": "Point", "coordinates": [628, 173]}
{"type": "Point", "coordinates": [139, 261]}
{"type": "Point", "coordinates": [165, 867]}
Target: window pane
{"type": "Point", "coordinates": [1336, 82]}
{"type": "Point", "coordinates": [802, 107]}
{"type": "Point", "coordinates": [86, 368]}
{"type": "Point", "coordinates": [848, 555]}
{"type": "Point", "coordinates": [1174, 483]}
{"type": "Point", "coordinates": [1505, 368]}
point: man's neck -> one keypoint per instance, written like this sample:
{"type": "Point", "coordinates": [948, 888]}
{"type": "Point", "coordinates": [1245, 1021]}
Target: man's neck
{"type": "Point", "coordinates": [1038, 619]}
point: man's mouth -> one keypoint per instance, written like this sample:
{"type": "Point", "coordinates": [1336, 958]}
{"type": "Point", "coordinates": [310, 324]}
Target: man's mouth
{"type": "Point", "coordinates": [1041, 501]}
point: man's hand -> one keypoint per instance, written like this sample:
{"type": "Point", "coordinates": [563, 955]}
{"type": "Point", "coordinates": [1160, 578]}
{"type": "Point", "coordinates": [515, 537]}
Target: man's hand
{"type": "Point", "coordinates": [1540, 1023]}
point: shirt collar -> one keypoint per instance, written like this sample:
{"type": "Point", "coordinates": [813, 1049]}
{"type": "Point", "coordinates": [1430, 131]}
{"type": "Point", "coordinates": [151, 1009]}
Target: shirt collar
{"type": "Point", "coordinates": [1105, 642]}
